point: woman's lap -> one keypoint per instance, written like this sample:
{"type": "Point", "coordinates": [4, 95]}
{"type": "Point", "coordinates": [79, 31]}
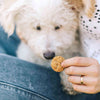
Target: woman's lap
{"type": "Point", "coordinates": [27, 77]}
{"type": "Point", "coordinates": [22, 80]}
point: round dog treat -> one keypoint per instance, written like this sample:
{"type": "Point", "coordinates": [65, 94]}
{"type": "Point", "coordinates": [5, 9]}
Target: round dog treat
{"type": "Point", "coordinates": [56, 63]}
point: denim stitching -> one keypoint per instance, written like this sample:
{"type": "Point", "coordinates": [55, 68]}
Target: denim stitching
{"type": "Point", "coordinates": [20, 90]}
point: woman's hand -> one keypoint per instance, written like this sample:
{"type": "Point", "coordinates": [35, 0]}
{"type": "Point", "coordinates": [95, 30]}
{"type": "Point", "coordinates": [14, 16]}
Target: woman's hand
{"type": "Point", "coordinates": [88, 68]}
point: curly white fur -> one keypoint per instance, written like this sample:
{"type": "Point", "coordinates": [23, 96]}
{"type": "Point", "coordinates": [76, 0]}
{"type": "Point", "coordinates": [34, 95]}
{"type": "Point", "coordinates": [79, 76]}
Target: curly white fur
{"type": "Point", "coordinates": [27, 15]}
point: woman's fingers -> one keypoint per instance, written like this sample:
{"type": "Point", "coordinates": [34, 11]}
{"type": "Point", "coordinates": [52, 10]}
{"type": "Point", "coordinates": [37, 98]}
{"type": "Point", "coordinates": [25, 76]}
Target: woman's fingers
{"type": "Point", "coordinates": [87, 71]}
{"type": "Point", "coordinates": [87, 67]}
{"type": "Point", "coordinates": [79, 61]}
{"type": "Point", "coordinates": [77, 80]}
{"type": "Point", "coordinates": [84, 89]}
{"type": "Point", "coordinates": [73, 70]}
{"type": "Point", "coordinates": [88, 81]}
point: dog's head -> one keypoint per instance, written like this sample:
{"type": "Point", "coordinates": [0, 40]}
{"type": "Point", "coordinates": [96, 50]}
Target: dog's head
{"type": "Point", "coordinates": [47, 26]}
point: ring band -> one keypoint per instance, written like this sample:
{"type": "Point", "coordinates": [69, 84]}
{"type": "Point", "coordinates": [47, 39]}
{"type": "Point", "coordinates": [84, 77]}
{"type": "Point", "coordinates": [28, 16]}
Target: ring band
{"type": "Point", "coordinates": [82, 82]}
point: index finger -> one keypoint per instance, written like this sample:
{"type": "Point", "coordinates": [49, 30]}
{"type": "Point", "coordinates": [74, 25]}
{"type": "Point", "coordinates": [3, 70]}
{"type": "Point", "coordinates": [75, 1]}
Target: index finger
{"type": "Point", "coordinates": [79, 61]}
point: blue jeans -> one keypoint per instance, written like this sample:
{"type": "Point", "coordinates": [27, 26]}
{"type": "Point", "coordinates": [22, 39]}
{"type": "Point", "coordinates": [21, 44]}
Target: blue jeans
{"type": "Point", "coordinates": [21, 80]}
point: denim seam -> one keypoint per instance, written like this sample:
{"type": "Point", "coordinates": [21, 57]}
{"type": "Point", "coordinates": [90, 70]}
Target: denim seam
{"type": "Point", "coordinates": [18, 89]}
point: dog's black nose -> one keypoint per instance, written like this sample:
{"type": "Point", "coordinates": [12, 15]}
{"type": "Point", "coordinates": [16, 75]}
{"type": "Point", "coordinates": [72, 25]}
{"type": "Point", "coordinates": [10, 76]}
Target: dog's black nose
{"type": "Point", "coordinates": [49, 55]}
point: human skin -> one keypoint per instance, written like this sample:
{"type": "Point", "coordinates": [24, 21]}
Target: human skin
{"type": "Point", "coordinates": [89, 68]}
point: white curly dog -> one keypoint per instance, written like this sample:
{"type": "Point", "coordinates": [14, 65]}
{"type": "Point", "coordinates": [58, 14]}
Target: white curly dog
{"type": "Point", "coordinates": [47, 28]}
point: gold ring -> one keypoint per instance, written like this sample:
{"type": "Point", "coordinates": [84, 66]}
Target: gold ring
{"type": "Point", "coordinates": [82, 82]}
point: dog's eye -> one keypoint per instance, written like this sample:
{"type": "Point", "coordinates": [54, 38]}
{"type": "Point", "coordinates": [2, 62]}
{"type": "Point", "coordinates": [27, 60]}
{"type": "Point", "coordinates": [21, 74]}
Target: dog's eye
{"type": "Point", "coordinates": [38, 28]}
{"type": "Point", "coordinates": [57, 27]}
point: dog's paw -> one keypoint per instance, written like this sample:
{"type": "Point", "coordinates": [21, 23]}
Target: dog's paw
{"type": "Point", "coordinates": [67, 86]}
{"type": "Point", "coordinates": [69, 90]}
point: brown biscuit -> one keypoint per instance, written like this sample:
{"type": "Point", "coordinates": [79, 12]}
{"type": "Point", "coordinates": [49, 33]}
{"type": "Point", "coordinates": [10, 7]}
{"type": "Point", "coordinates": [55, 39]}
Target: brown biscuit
{"type": "Point", "coordinates": [56, 63]}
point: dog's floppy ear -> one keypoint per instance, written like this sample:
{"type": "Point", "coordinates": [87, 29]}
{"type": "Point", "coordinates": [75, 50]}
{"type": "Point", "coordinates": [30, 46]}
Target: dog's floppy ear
{"type": "Point", "coordinates": [8, 12]}
{"type": "Point", "coordinates": [76, 4]}
{"type": "Point", "coordinates": [87, 5]}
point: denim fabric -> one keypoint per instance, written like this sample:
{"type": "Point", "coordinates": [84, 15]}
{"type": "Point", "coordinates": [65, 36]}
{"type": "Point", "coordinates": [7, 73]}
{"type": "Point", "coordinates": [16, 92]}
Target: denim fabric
{"type": "Point", "coordinates": [21, 80]}
{"type": "Point", "coordinates": [8, 45]}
